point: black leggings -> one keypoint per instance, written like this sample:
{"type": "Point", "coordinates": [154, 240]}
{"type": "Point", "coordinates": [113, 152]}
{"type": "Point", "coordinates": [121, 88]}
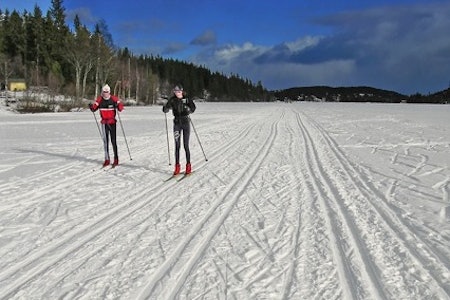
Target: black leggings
{"type": "Point", "coordinates": [109, 130]}
{"type": "Point", "coordinates": [177, 129]}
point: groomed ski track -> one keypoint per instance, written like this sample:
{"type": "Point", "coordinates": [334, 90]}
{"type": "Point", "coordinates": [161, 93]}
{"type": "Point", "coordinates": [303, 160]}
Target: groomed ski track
{"type": "Point", "coordinates": [279, 211]}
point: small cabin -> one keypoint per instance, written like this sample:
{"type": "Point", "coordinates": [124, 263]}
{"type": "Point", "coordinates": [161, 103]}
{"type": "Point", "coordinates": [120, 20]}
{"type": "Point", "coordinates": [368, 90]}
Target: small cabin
{"type": "Point", "coordinates": [17, 85]}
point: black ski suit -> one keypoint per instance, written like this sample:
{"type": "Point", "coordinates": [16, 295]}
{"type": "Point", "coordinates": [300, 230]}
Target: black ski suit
{"type": "Point", "coordinates": [181, 108]}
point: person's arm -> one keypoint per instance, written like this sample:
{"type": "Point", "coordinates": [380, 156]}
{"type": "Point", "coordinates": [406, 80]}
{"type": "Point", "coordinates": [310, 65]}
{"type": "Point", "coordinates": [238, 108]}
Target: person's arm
{"type": "Point", "coordinates": [167, 106]}
{"type": "Point", "coordinates": [94, 106]}
{"type": "Point", "coordinates": [119, 104]}
{"type": "Point", "coordinates": [191, 106]}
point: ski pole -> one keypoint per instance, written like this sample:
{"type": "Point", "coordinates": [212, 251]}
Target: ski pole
{"type": "Point", "coordinates": [124, 136]}
{"type": "Point", "coordinates": [98, 127]}
{"type": "Point", "coordinates": [198, 139]}
{"type": "Point", "coordinates": [167, 135]}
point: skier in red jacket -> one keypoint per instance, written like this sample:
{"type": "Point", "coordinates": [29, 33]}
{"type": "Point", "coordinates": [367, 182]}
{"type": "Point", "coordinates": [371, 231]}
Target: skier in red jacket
{"type": "Point", "coordinates": [107, 104]}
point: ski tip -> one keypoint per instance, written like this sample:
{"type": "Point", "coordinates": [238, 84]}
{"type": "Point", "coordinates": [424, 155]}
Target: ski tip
{"type": "Point", "coordinates": [185, 176]}
{"type": "Point", "coordinates": [171, 177]}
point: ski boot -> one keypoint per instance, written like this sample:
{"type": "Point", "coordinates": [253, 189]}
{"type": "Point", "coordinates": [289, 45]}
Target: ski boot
{"type": "Point", "coordinates": [188, 169]}
{"type": "Point", "coordinates": [177, 169]}
{"type": "Point", "coordinates": [116, 162]}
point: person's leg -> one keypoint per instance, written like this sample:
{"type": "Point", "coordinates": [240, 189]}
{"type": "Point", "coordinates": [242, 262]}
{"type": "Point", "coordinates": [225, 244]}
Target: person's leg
{"type": "Point", "coordinates": [113, 130]}
{"type": "Point", "coordinates": [186, 134]}
{"type": "Point", "coordinates": [105, 136]}
{"type": "Point", "coordinates": [176, 135]}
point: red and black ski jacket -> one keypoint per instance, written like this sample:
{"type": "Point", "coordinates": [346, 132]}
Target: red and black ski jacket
{"type": "Point", "coordinates": [108, 108]}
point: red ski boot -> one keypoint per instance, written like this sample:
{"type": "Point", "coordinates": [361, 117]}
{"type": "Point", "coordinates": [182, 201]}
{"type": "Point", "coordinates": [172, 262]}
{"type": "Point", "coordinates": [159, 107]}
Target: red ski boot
{"type": "Point", "coordinates": [116, 162]}
{"type": "Point", "coordinates": [188, 169]}
{"type": "Point", "coordinates": [106, 163]}
{"type": "Point", "coordinates": [177, 169]}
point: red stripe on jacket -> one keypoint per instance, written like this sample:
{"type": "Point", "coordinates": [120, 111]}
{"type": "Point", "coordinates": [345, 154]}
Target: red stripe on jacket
{"type": "Point", "coordinates": [107, 108]}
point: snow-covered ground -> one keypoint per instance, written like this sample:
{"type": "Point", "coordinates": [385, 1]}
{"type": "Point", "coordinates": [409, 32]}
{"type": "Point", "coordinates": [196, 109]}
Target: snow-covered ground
{"type": "Point", "coordinates": [295, 201]}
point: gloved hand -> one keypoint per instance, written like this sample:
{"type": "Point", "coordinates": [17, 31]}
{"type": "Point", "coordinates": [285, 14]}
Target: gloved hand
{"type": "Point", "coordinates": [91, 107]}
{"type": "Point", "coordinates": [165, 109]}
{"type": "Point", "coordinates": [187, 109]}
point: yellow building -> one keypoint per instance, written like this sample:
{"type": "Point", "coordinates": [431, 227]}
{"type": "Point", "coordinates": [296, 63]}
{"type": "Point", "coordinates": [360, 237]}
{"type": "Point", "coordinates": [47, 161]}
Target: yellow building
{"type": "Point", "coordinates": [17, 85]}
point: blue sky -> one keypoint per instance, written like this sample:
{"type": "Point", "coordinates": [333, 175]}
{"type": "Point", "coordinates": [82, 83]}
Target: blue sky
{"type": "Point", "coordinates": [399, 45]}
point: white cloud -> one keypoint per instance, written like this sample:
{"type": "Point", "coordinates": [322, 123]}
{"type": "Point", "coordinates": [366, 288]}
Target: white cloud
{"type": "Point", "coordinates": [231, 52]}
{"type": "Point", "coordinates": [303, 43]}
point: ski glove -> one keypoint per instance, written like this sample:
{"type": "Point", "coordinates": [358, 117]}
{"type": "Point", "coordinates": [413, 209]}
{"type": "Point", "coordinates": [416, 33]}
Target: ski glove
{"type": "Point", "coordinates": [91, 107]}
{"type": "Point", "coordinates": [165, 110]}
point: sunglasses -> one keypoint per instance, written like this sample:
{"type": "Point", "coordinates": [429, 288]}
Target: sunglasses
{"type": "Point", "coordinates": [105, 92]}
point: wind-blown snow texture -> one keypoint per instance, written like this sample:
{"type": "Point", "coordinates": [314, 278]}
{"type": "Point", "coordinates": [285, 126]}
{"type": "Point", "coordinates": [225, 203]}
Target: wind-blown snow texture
{"type": "Point", "coordinates": [296, 201]}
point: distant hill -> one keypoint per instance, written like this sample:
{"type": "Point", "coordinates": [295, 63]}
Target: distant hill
{"type": "Point", "coordinates": [439, 97]}
{"type": "Point", "coordinates": [339, 94]}
{"type": "Point", "coordinates": [356, 94]}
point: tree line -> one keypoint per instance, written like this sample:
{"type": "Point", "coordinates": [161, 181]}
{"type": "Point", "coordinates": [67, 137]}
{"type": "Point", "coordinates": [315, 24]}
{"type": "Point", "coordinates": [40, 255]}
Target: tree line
{"type": "Point", "coordinates": [75, 61]}
{"type": "Point", "coordinates": [357, 94]}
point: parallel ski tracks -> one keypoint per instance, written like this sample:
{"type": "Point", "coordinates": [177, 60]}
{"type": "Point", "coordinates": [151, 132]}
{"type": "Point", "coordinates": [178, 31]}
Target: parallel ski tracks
{"type": "Point", "coordinates": [298, 229]}
{"type": "Point", "coordinates": [343, 233]}
{"type": "Point", "coordinates": [43, 259]}
{"type": "Point", "coordinates": [395, 229]}
{"type": "Point", "coordinates": [215, 218]}
{"type": "Point", "coordinates": [349, 236]}
{"type": "Point", "coordinates": [63, 182]}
